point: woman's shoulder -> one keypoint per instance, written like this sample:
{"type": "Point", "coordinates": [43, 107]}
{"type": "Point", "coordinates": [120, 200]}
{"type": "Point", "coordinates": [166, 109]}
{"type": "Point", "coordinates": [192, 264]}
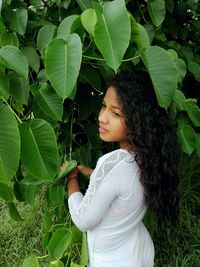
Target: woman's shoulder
{"type": "Point", "coordinates": [115, 156]}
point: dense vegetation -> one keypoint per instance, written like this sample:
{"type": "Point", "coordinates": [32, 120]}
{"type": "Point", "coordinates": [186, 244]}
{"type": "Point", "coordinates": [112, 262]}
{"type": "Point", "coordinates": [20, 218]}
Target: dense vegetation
{"type": "Point", "coordinates": [55, 56]}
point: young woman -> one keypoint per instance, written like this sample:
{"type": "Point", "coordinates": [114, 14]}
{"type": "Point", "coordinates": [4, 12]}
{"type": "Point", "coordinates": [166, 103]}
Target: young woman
{"type": "Point", "coordinates": [141, 173]}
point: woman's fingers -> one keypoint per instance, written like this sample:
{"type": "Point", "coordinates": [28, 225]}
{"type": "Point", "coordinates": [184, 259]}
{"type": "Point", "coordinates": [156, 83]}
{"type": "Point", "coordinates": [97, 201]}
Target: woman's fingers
{"type": "Point", "coordinates": [85, 170]}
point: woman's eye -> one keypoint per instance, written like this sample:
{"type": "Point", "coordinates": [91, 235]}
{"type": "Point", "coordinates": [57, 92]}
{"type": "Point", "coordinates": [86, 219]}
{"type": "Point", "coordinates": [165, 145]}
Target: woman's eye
{"type": "Point", "coordinates": [116, 114]}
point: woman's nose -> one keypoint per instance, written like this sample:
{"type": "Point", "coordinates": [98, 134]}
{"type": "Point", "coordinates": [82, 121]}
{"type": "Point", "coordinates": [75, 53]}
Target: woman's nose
{"type": "Point", "coordinates": [103, 116]}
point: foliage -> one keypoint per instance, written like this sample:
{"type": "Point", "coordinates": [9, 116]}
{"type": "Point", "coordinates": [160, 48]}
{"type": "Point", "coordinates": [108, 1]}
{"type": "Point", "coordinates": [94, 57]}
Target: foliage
{"type": "Point", "coordinates": [54, 59]}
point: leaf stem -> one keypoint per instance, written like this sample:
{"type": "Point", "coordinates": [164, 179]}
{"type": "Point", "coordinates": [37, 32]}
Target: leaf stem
{"type": "Point", "coordinates": [102, 59]}
{"type": "Point", "coordinates": [131, 58]}
{"type": "Point", "coordinates": [11, 109]}
{"type": "Point", "coordinates": [94, 58]}
{"type": "Point", "coordinates": [42, 257]}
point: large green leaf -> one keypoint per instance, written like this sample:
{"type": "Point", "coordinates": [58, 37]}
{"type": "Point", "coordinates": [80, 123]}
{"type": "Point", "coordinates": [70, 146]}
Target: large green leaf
{"type": "Point", "coordinates": [9, 144]}
{"type": "Point", "coordinates": [32, 57]}
{"type": "Point", "coordinates": [19, 88]}
{"type": "Point", "coordinates": [6, 192]}
{"type": "Point", "coordinates": [84, 4]}
{"type": "Point", "coordinates": [59, 242]}
{"type": "Point", "coordinates": [180, 100]}
{"type": "Point", "coordinates": [39, 152]}
{"type": "Point", "coordinates": [139, 34]}
{"type": "Point", "coordinates": [163, 72]}
{"type": "Point", "coordinates": [14, 214]}
{"type": "Point", "coordinates": [4, 88]}
{"type": "Point", "coordinates": [31, 261]}
{"type": "Point", "coordinates": [67, 26]}
{"type": "Point", "coordinates": [8, 38]}
{"type": "Point", "coordinates": [13, 59]}
{"type": "Point", "coordinates": [187, 138]}
{"type": "Point", "coordinates": [63, 60]}
{"type": "Point", "coordinates": [195, 69]}
{"type": "Point", "coordinates": [57, 195]}
{"type": "Point", "coordinates": [18, 20]}
{"type": "Point", "coordinates": [89, 20]}
{"type": "Point", "coordinates": [112, 31]}
{"type": "Point", "coordinates": [193, 112]}
{"type": "Point", "coordinates": [84, 250]}
{"type": "Point", "coordinates": [45, 35]}
{"type": "Point", "coordinates": [156, 10]}
{"type": "Point", "coordinates": [48, 101]}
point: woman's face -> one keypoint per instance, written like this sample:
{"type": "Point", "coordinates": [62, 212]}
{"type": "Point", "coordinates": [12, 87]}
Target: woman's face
{"type": "Point", "coordinates": [112, 126]}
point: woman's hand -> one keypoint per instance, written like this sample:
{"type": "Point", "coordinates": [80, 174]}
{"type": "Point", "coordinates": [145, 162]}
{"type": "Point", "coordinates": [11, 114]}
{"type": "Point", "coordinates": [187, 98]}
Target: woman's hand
{"type": "Point", "coordinates": [85, 170]}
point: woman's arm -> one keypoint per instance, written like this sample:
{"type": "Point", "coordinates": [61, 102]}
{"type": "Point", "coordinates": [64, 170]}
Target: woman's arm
{"type": "Point", "coordinates": [72, 180]}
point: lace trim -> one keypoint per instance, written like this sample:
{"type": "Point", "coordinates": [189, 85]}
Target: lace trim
{"type": "Point", "coordinates": [95, 182]}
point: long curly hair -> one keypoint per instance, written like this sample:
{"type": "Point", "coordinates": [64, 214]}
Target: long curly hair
{"type": "Point", "coordinates": [150, 132]}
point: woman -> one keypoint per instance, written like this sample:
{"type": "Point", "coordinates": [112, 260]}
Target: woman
{"type": "Point", "coordinates": [141, 173]}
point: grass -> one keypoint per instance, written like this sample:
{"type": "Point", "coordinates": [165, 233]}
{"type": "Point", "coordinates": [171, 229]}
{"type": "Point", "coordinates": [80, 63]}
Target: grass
{"type": "Point", "coordinates": [20, 239]}
{"type": "Point", "coordinates": [181, 249]}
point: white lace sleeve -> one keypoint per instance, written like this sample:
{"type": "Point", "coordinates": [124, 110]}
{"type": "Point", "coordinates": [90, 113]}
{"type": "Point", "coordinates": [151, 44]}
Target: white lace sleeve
{"type": "Point", "coordinates": [88, 210]}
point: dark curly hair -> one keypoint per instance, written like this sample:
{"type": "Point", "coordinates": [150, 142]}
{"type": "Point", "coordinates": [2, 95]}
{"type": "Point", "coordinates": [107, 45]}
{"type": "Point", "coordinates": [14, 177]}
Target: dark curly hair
{"type": "Point", "coordinates": [151, 133]}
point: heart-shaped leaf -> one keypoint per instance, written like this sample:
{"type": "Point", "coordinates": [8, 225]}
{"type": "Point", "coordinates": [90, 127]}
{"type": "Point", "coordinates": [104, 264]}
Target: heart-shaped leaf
{"type": "Point", "coordinates": [63, 60]}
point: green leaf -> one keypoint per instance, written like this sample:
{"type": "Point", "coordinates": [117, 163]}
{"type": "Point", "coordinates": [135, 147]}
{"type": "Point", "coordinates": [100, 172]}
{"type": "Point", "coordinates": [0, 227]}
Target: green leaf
{"type": "Point", "coordinates": [163, 73]}
{"type": "Point", "coordinates": [56, 263]}
{"type": "Point", "coordinates": [139, 34]}
{"type": "Point", "coordinates": [76, 234]}
{"type": "Point", "coordinates": [195, 69]}
{"type": "Point", "coordinates": [47, 221]}
{"type": "Point", "coordinates": [67, 26]}
{"type": "Point", "coordinates": [84, 250]}
{"type": "Point", "coordinates": [19, 88]}
{"type": "Point", "coordinates": [198, 144]}
{"type": "Point", "coordinates": [9, 38]}
{"type": "Point", "coordinates": [49, 102]}
{"type": "Point", "coordinates": [63, 60]}
{"type": "Point", "coordinates": [193, 112]}
{"type": "Point", "coordinates": [68, 166]}
{"type": "Point", "coordinates": [32, 57]}
{"type": "Point", "coordinates": [13, 59]}
{"type": "Point", "coordinates": [84, 4]}
{"type": "Point", "coordinates": [57, 195]}
{"type": "Point", "coordinates": [59, 242]}
{"type": "Point", "coordinates": [89, 20]}
{"type": "Point", "coordinates": [180, 100]}
{"type": "Point", "coordinates": [14, 214]}
{"type": "Point", "coordinates": [18, 20]}
{"type": "Point", "coordinates": [187, 138]}
{"type": "Point", "coordinates": [181, 68]}
{"type": "Point", "coordinates": [45, 35]}
{"type": "Point", "coordinates": [9, 144]}
{"type": "Point", "coordinates": [4, 86]}
{"type": "Point", "coordinates": [112, 32]}
{"type": "Point", "coordinates": [6, 192]}
{"type": "Point", "coordinates": [156, 10]}
{"type": "Point", "coordinates": [39, 152]}
{"type": "Point", "coordinates": [30, 193]}
{"type": "Point", "coordinates": [31, 261]}
{"type": "Point", "coordinates": [76, 265]}
{"type": "Point", "coordinates": [19, 191]}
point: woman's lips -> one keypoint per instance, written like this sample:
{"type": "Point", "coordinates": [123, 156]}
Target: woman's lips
{"type": "Point", "coordinates": [102, 130]}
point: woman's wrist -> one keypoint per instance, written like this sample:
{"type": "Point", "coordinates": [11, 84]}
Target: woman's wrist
{"type": "Point", "coordinates": [73, 177]}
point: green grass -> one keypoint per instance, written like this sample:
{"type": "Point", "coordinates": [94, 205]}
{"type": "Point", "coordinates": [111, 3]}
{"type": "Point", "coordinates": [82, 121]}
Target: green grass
{"type": "Point", "coordinates": [180, 249]}
{"type": "Point", "coordinates": [20, 239]}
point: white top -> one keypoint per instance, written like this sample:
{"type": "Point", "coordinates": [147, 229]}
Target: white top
{"type": "Point", "coordinates": [111, 211]}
